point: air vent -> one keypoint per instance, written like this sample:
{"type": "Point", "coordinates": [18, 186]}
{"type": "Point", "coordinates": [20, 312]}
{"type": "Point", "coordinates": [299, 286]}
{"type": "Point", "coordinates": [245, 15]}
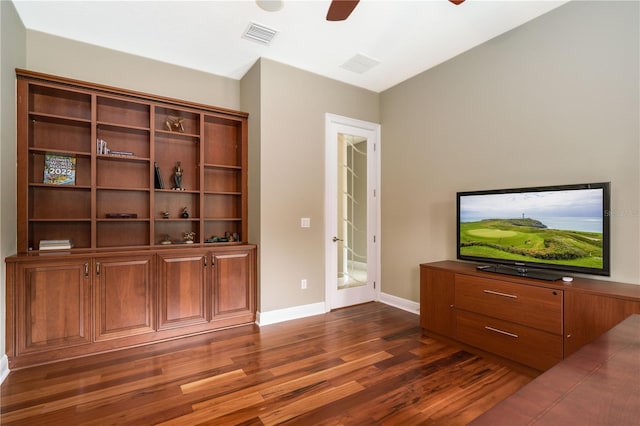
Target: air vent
{"type": "Point", "coordinates": [259, 33]}
{"type": "Point", "coordinates": [360, 63]}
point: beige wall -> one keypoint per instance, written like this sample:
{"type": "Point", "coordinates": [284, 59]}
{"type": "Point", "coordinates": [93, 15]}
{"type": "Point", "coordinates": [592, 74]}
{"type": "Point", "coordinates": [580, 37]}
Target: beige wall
{"type": "Point", "coordinates": [72, 59]}
{"type": "Point", "coordinates": [552, 102]}
{"type": "Point", "coordinates": [293, 104]}
{"type": "Point", "coordinates": [250, 101]}
{"type": "Point", "coordinates": [12, 55]}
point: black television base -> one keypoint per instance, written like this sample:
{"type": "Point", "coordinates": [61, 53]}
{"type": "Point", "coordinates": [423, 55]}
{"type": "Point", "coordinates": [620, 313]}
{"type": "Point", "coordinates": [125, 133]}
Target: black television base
{"type": "Point", "coordinates": [521, 272]}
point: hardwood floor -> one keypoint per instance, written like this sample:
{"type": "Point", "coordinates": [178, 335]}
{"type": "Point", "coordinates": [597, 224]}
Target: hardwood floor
{"type": "Point", "coordinates": [363, 365]}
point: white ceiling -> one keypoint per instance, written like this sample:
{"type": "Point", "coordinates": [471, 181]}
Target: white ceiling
{"type": "Point", "coordinates": [406, 37]}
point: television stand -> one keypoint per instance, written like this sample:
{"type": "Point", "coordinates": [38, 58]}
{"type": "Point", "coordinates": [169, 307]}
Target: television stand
{"type": "Point", "coordinates": [527, 323]}
{"type": "Point", "coordinates": [521, 272]}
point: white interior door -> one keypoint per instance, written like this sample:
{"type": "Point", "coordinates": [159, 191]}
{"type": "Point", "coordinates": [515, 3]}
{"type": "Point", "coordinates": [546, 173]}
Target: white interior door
{"type": "Point", "coordinates": [351, 211]}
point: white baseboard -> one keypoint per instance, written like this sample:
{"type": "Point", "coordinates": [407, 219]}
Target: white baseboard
{"type": "Point", "coordinates": [4, 368]}
{"type": "Point", "coordinates": [279, 315]}
{"type": "Point", "coordinates": [400, 303]}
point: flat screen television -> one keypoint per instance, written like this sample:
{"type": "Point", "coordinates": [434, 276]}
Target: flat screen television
{"type": "Point", "coordinates": [539, 232]}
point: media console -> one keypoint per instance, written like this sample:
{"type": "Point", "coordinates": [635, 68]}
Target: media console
{"type": "Point", "coordinates": [529, 323]}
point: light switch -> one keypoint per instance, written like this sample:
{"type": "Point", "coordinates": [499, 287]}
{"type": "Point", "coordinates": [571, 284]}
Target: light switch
{"type": "Point", "coordinates": [305, 222]}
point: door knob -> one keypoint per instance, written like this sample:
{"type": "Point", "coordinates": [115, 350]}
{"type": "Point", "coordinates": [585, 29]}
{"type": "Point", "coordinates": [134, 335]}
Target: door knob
{"type": "Point", "coordinates": [334, 239]}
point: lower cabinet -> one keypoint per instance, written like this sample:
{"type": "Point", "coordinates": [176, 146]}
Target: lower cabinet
{"type": "Point", "coordinates": [124, 296]}
{"type": "Point", "coordinates": [183, 281]}
{"type": "Point", "coordinates": [587, 316]}
{"type": "Point", "coordinates": [529, 322]}
{"type": "Point", "coordinates": [231, 284]}
{"type": "Point", "coordinates": [61, 307]}
{"type": "Point", "coordinates": [436, 301]}
{"type": "Point", "coordinates": [52, 305]}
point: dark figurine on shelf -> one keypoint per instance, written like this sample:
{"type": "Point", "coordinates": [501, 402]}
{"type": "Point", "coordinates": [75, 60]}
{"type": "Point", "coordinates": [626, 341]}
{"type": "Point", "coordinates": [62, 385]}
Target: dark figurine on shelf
{"type": "Point", "coordinates": [177, 177]}
{"type": "Point", "coordinates": [174, 124]}
{"type": "Point", "coordinates": [185, 213]}
{"type": "Point", "coordinates": [165, 215]}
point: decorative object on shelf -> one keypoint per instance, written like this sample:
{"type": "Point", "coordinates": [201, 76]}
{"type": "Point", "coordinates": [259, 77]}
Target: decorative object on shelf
{"type": "Point", "coordinates": [159, 184]}
{"type": "Point", "coordinates": [177, 177]}
{"type": "Point", "coordinates": [165, 214]}
{"type": "Point", "coordinates": [59, 169]}
{"type": "Point", "coordinates": [215, 239]}
{"type": "Point", "coordinates": [174, 124]}
{"type": "Point", "coordinates": [121, 215]}
{"type": "Point", "coordinates": [185, 213]}
{"type": "Point", "coordinates": [165, 239]}
{"type": "Point", "coordinates": [236, 236]}
{"type": "Point", "coordinates": [189, 237]}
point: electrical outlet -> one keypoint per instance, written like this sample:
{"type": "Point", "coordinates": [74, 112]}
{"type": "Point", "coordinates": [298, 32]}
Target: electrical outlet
{"type": "Point", "coordinates": [303, 284]}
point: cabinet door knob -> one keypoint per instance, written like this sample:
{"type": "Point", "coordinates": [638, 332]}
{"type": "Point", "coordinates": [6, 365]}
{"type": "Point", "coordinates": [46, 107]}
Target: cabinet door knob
{"type": "Point", "coordinates": [568, 336]}
{"type": "Point", "coordinates": [86, 270]}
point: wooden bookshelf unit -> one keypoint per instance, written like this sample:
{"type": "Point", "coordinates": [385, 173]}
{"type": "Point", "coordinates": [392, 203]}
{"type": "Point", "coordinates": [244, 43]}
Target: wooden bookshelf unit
{"type": "Point", "coordinates": [156, 210]}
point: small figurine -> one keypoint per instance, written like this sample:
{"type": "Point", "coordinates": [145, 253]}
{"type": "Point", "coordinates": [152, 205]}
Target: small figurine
{"type": "Point", "coordinates": [174, 124]}
{"type": "Point", "coordinates": [165, 239]}
{"type": "Point", "coordinates": [189, 237]}
{"type": "Point", "coordinates": [177, 177]}
{"type": "Point", "coordinates": [185, 213]}
{"type": "Point", "coordinates": [165, 215]}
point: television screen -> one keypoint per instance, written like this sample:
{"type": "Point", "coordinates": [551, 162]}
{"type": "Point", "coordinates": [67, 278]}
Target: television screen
{"type": "Point", "coordinates": [563, 228]}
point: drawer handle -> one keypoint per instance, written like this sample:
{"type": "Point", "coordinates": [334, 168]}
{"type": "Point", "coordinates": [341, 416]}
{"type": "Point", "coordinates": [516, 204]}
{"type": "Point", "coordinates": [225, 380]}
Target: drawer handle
{"type": "Point", "coordinates": [496, 330]}
{"type": "Point", "coordinates": [497, 293]}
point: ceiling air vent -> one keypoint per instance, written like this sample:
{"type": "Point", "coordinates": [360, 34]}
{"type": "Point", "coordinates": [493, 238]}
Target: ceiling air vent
{"type": "Point", "coordinates": [259, 33]}
{"type": "Point", "coordinates": [360, 63]}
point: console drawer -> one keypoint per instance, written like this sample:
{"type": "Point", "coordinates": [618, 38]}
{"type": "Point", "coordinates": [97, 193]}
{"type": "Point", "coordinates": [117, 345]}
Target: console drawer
{"type": "Point", "coordinates": [535, 348]}
{"type": "Point", "coordinates": [536, 307]}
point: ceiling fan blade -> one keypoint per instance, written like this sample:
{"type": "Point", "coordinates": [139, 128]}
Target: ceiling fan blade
{"type": "Point", "coordinates": [341, 9]}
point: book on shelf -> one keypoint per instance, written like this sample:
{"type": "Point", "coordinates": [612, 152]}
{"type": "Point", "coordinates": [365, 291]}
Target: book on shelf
{"type": "Point", "coordinates": [56, 244]}
{"type": "Point", "coordinates": [102, 147]}
{"type": "Point", "coordinates": [159, 184]}
{"type": "Point", "coordinates": [59, 169]}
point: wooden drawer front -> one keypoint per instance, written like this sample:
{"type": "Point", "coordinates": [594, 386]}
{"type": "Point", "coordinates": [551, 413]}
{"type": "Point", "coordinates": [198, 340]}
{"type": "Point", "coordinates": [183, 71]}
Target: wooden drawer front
{"type": "Point", "coordinates": [536, 307]}
{"type": "Point", "coordinates": [535, 348]}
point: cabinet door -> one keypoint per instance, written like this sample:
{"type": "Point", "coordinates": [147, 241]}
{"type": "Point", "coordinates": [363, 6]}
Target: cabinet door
{"type": "Point", "coordinates": [124, 296]}
{"type": "Point", "coordinates": [436, 300]}
{"type": "Point", "coordinates": [233, 288]}
{"type": "Point", "coordinates": [182, 289]}
{"type": "Point", "coordinates": [587, 316]}
{"type": "Point", "coordinates": [53, 305]}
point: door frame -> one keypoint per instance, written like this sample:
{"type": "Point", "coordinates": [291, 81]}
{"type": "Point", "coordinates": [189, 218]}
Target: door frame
{"type": "Point", "coordinates": [335, 124]}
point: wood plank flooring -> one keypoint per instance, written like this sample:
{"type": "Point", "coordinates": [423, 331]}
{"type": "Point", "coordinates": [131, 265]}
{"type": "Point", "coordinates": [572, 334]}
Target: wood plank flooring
{"type": "Point", "coordinates": [364, 365]}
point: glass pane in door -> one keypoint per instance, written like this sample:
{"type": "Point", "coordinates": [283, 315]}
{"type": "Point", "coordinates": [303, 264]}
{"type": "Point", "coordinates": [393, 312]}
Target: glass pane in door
{"type": "Point", "coordinates": [352, 211]}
